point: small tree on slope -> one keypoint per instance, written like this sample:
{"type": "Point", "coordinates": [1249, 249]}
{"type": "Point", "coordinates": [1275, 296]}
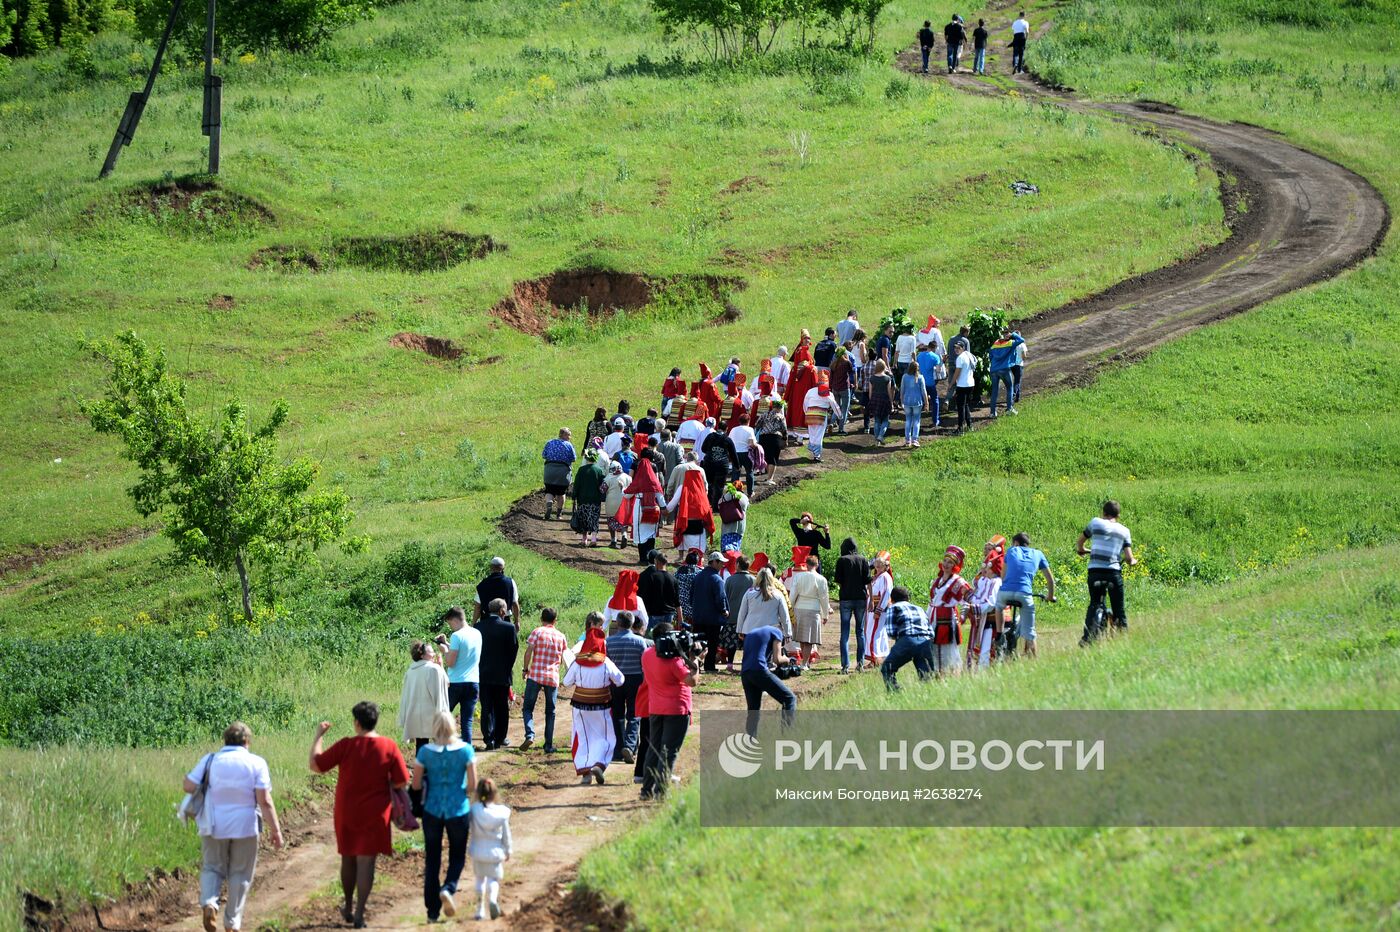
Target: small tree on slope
{"type": "Point", "coordinates": [228, 501]}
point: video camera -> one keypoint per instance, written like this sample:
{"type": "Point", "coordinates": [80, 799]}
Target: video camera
{"type": "Point", "coordinates": [679, 644]}
{"type": "Point", "coordinates": [787, 669]}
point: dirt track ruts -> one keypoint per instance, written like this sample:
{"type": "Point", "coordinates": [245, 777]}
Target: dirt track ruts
{"type": "Point", "coordinates": [1305, 220]}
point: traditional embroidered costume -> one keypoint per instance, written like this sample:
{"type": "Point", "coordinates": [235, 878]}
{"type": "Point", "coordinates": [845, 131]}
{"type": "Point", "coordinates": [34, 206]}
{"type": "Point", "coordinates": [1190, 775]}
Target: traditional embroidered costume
{"type": "Point", "coordinates": [947, 596]}
{"type": "Point", "coordinates": [593, 676]}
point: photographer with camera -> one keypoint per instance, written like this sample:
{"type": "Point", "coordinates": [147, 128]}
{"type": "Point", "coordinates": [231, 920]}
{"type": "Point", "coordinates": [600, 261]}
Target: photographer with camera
{"type": "Point", "coordinates": [764, 668]}
{"type": "Point", "coordinates": [670, 668]}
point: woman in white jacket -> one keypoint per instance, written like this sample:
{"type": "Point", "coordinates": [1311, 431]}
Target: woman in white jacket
{"type": "Point", "coordinates": [489, 847]}
{"type": "Point", "coordinates": [424, 695]}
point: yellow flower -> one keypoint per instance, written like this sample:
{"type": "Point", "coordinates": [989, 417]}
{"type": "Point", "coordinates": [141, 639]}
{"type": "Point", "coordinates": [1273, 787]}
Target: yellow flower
{"type": "Point", "coordinates": [542, 86]}
{"type": "Point", "coordinates": [247, 58]}
{"type": "Point", "coordinates": [201, 633]}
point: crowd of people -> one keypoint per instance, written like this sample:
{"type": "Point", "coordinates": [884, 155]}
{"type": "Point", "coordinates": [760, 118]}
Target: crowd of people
{"type": "Point", "coordinates": [631, 676]}
{"type": "Point", "coordinates": [955, 36]}
{"type": "Point", "coordinates": [697, 455]}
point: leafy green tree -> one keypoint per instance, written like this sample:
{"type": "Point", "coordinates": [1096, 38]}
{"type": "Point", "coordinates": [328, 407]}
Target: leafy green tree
{"type": "Point", "coordinates": [253, 25]}
{"type": "Point", "coordinates": [227, 499]}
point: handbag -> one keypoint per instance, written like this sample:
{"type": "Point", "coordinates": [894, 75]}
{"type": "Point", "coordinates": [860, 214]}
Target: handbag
{"type": "Point", "coordinates": [730, 511]}
{"type": "Point", "coordinates": [193, 804]}
{"type": "Point", "coordinates": [402, 807]}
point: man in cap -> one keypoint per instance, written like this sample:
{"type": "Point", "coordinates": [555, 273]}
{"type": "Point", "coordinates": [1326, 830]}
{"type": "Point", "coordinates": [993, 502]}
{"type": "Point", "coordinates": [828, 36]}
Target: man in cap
{"type": "Point", "coordinates": [497, 585]}
{"type": "Point", "coordinates": [709, 607]}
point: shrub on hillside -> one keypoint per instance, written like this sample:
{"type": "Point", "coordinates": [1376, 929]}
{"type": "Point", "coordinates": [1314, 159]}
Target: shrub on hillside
{"type": "Point", "coordinates": [253, 25]}
{"type": "Point", "coordinates": [30, 26]}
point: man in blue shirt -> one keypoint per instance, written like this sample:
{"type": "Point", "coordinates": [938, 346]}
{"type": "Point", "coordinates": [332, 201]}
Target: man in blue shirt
{"type": "Point", "coordinates": [709, 609]}
{"type": "Point", "coordinates": [462, 661]}
{"type": "Point", "coordinates": [763, 649]}
{"type": "Point", "coordinates": [999, 362]}
{"type": "Point", "coordinates": [1022, 563]}
{"type": "Point", "coordinates": [929, 362]}
{"type": "Point", "coordinates": [911, 636]}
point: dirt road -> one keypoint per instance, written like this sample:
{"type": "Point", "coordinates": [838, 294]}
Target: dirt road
{"type": "Point", "coordinates": [1304, 220]}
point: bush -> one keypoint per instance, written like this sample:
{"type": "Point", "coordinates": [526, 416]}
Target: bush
{"type": "Point", "coordinates": [253, 25]}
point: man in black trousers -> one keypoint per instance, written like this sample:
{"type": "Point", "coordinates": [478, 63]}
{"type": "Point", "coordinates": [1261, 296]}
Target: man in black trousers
{"type": "Point", "coordinates": [499, 645]}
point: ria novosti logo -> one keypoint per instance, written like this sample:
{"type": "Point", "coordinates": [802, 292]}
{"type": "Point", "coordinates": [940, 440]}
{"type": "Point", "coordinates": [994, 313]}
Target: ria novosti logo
{"type": "Point", "coordinates": [740, 755]}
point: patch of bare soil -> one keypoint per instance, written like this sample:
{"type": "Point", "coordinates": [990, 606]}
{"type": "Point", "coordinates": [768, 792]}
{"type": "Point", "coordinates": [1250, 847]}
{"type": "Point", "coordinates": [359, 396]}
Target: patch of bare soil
{"type": "Point", "coordinates": [533, 306]}
{"type": "Point", "coordinates": [286, 258]}
{"type": "Point", "coordinates": [746, 183]}
{"type": "Point", "coordinates": [431, 251]}
{"type": "Point", "coordinates": [222, 302]}
{"type": "Point", "coordinates": [437, 347]}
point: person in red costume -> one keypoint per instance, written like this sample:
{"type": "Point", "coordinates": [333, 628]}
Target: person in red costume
{"type": "Point", "coordinates": [646, 495]}
{"type": "Point", "coordinates": [625, 598]}
{"type": "Point", "coordinates": [802, 380]}
{"type": "Point", "coordinates": [743, 401]}
{"type": "Point", "coordinates": [695, 522]}
{"type": "Point", "coordinates": [707, 393]}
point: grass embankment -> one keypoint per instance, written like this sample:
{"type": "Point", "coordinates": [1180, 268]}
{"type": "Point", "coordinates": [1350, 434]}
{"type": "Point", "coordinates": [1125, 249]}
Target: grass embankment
{"type": "Point", "coordinates": [572, 136]}
{"type": "Point", "coordinates": [1321, 637]}
{"type": "Point", "coordinates": [1268, 439]}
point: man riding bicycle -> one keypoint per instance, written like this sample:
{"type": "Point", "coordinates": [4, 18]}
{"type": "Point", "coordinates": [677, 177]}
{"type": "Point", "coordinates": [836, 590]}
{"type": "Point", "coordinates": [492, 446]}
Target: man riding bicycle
{"type": "Point", "coordinates": [1109, 543]}
{"type": "Point", "coordinates": [1022, 563]}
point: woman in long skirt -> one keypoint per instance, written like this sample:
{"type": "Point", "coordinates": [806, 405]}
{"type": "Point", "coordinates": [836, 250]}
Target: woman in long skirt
{"type": "Point", "coordinates": [593, 677]}
{"type": "Point", "coordinates": [877, 638]}
{"type": "Point", "coordinates": [588, 499]}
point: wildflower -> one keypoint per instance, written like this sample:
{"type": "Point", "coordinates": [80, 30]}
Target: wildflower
{"type": "Point", "coordinates": [247, 58]}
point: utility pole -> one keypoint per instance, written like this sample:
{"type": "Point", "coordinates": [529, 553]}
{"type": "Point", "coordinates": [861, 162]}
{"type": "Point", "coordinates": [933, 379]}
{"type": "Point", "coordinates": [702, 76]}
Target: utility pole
{"type": "Point", "coordinates": [213, 90]}
{"type": "Point", "coordinates": [136, 104]}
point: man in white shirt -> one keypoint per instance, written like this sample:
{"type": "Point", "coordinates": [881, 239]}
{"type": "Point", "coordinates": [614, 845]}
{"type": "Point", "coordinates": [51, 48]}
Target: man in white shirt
{"type": "Point", "coordinates": [905, 346]}
{"type": "Point", "coordinates": [744, 439]}
{"type": "Point", "coordinates": [781, 369]}
{"type": "Point", "coordinates": [964, 382]}
{"type": "Point", "coordinates": [238, 787]}
{"type": "Point", "coordinates": [615, 442]}
{"type": "Point", "coordinates": [1020, 35]}
{"type": "Point", "coordinates": [846, 329]}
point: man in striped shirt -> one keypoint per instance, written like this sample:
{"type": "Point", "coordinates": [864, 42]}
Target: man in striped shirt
{"type": "Point", "coordinates": [625, 651]}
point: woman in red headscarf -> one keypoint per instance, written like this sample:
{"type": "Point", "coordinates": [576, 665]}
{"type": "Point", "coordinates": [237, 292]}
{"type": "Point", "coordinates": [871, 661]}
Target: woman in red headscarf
{"type": "Point", "coordinates": [593, 677]}
{"type": "Point", "coordinates": [695, 521]}
{"type": "Point", "coordinates": [625, 598]}
{"type": "Point", "coordinates": [877, 636]}
{"type": "Point", "coordinates": [948, 595]}
{"type": "Point", "coordinates": [802, 380]}
{"type": "Point", "coordinates": [820, 407]}
{"type": "Point", "coordinates": [767, 385]}
{"type": "Point", "coordinates": [986, 621]}
{"type": "Point", "coordinates": [707, 393]}
{"type": "Point", "coordinates": [646, 496]}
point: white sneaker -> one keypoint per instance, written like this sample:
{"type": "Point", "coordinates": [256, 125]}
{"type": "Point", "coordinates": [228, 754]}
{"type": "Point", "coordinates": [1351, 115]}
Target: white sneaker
{"type": "Point", "coordinates": [481, 913]}
{"type": "Point", "coordinates": [449, 905]}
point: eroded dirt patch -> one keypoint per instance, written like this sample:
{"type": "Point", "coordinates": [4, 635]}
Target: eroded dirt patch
{"type": "Point", "coordinates": [746, 183]}
{"type": "Point", "coordinates": [431, 251]}
{"type": "Point", "coordinates": [534, 306]}
{"type": "Point", "coordinates": [286, 258]}
{"type": "Point", "coordinates": [436, 347]}
{"type": "Point", "coordinates": [222, 302]}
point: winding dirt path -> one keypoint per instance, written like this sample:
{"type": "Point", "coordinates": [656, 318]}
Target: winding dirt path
{"type": "Point", "coordinates": [1305, 219]}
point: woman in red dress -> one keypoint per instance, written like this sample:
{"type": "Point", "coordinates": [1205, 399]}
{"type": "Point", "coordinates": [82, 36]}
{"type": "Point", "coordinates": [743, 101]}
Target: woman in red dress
{"type": "Point", "coordinates": [802, 380]}
{"type": "Point", "coordinates": [370, 765]}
